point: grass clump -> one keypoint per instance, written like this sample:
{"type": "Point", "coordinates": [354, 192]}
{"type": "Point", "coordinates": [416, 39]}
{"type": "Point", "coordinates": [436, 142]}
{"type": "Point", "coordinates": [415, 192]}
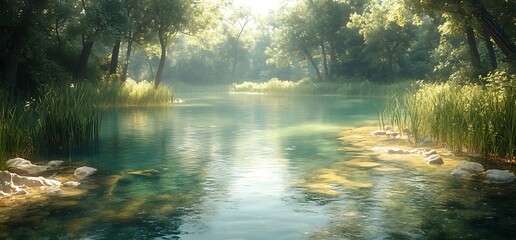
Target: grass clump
{"type": "Point", "coordinates": [309, 87]}
{"type": "Point", "coordinates": [16, 134]}
{"type": "Point", "coordinates": [65, 116]}
{"type": "Point", "coordinates": [69, 115]}
{"type": "Point", "coordinates": [465, 117]}
{"type": "Point", "coordinates": [114, 93]}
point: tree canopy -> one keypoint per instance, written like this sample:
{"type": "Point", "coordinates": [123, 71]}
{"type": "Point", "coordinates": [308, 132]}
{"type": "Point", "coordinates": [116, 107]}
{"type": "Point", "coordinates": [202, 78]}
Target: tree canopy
{"type": "Point", "coordinates": [217, 41]}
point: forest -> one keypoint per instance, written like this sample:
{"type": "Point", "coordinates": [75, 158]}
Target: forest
{"type": "Point", "coordinates": [114, 50]}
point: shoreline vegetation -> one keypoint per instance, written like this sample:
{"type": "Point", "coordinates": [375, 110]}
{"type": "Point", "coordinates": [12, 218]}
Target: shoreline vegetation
{"type": "Point", "coordinates": [464, 117]}
{"type": "Point", "coordinates": [476, 118]}
{"type": "Point", "coordinates": [354, 88]}
{"type": "Point", "coordinates": [66, 116]}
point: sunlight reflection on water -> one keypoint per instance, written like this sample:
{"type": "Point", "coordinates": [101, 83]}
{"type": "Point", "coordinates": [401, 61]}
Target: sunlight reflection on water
{"type": "Point", "coordinates": [260, 167]}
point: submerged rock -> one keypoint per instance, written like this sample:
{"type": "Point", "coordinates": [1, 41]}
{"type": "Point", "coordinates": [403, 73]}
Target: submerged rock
{"type": "Point", "coordinates": [12, 183]}
{"type": "Point", "coordinates": [83, 172]}
{"type": "Point", "coordinates": [472, 167]}
{"type": "Point", "coordinates": [71, 184]}
{"type": "Point", "coordinates": [148, 172]}
{"type": "Point", "coordinates": [434, 159]}
{"type": "Point", "coordinates": [499, 176]}
{"type": "Point", "coordinates": [459, 173]}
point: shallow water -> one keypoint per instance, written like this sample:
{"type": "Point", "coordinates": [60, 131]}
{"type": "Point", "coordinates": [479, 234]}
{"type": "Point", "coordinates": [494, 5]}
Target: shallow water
{"type": "Point", "coordinates": [259, 167]}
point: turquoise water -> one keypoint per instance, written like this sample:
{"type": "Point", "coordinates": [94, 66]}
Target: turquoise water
{"type": "Point", "coordinates": [235, 166]}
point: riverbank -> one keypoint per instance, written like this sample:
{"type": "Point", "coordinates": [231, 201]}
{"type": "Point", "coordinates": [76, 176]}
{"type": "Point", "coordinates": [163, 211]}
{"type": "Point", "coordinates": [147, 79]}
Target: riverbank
{"type": "Point", "coordinates": [354, 88]}
{"type": "Point", "coordinates": [61, 117]}
{"type": "Point", "coordinates": [368, 155]}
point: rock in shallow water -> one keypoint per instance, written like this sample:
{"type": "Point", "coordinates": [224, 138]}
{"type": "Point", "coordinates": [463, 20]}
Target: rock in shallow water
{"type": "Point", "coordinates": [434, 159]}
{"type": "Point", "coordinates": [83, 172]}
{"type": "Point", "coordinates": [459, 173]}
{"type": "Point", "coordinates": [471, 167]}
{"type": "Point", "coordinates": [24, 167]}
{"type": "Point", "coordinates": [499, 176]}
{"type": "Point", "coordinates": [378, 133]}
{"type": "Point", "coordinates": [12, 183]}
{"type": "Point", "coordinates": [71, 184]}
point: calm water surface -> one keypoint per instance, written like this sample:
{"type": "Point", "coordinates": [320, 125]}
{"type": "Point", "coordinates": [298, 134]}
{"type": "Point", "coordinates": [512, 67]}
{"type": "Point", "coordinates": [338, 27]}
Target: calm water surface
{"type": "Point", "coordinates": [237, 166]}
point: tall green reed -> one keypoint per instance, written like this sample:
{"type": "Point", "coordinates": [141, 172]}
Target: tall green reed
{"type": "Point", "coordinates": [70, 115]}
{"type": "Point", "coordinates": [464, 117]}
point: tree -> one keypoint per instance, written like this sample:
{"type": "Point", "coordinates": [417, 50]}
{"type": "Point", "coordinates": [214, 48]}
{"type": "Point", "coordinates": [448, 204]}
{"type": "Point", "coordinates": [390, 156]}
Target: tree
{"type": "Point", "coordinates": [474, 9]}
{"type": "Point", "coordinates": [169, 17]}
{"type": "Point", "coordinates": [387, 37]}
{"type": "Point", "coordinates": [99, 20]}
{"type": "Point", "coordinates": [23, 23]}
{"type": "Point", "coordinates": [234, 28]}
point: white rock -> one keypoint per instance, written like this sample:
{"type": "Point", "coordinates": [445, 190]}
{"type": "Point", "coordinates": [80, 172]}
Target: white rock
{"type": "Point", "coordinates": [500, 176]}
{"type": "Point", "coordinates": [71, 184]}
{"type": "Point", "coordinates": [178, 100]}
{"type": "Point", "coordinates": [471, 167]}
{"type": "Point", "coordinates": [391, 133]}
{"type": "Point", "coordinates": [458, 173]}
{"type": "Point", "coordinates": [430, 152]}
{"type": "Point", "coordinates": [22, 166]}
{"type": "Point", "coordinates": [378, 133]}
{"type": "Point", "coordinates": [391, 150]}
{"type": "Point", "coordinates": [55, 163]}
{"type": "Point", "coordinates": [12, 183]}
{"type": "Point", "coordinates": [434, 159]}
{"type": "Point", "coordinates": [450, 154]}
{"type": "Point", "coordinates": [83, 172]}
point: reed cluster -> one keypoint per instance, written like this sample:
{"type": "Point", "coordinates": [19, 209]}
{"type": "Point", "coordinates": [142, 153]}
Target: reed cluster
{"type": "Point", "coordinates": [16, 133]}
{"type": "Point", "coordinates": [65, 115]}
{"type": "Point", "coordinates": [132, 93]}
{"type": "Point", "coordinates": [308, 87]}
{"type": "Point", "coordinates": [68, 115]}
{"type": "Point", "coordinates": [465, 117]}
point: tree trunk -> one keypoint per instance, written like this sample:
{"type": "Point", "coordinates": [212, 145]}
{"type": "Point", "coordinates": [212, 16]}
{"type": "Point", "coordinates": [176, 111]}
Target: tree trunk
{"type": "Point", "coordinates": [127, 58]}
{"type": "Point", "coordinates": [314, 64]}
{"type": "Point", "coordinates": [58, 38]}
{"type": "Point", "coordinates": [157, 81]}
{"type": "Point", "coordinates": [493, 28]}
{"type": "Point", "coordinates": [490, 50]}
{"type": "Point", "coordinates": [325, 61]}
{"type": "Point", "coordinates": [333, 60]}
{"type": "Point", "coordinates": [82, 66]}
{"type": "Point", "coordinates": [13, 61]}
{"type": "Point", "coordinates": [473, 50]}
{"type": "Point", "coordinates": [114, 57]}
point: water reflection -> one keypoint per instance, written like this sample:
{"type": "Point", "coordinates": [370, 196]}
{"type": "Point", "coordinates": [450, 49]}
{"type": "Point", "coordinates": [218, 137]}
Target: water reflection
{"type": "Point", "coordinates": [260, 167]}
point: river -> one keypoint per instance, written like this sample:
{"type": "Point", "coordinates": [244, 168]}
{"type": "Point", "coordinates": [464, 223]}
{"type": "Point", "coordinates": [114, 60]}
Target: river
{"type": "Point", "coordinates": [239, 166]}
